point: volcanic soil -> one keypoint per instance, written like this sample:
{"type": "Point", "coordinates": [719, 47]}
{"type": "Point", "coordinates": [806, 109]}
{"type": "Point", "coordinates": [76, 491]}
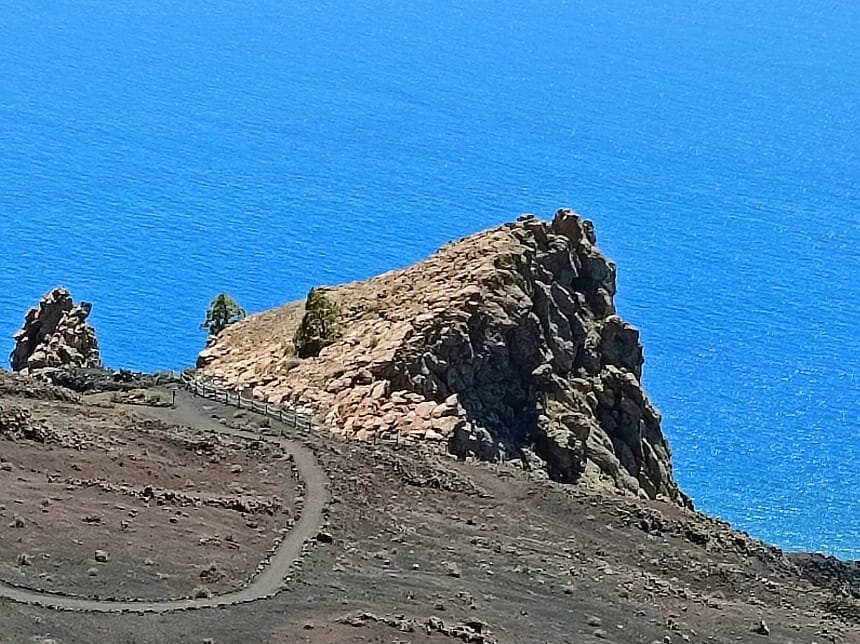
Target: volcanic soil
{"type": "Point", "coordinates": [117, 503]}
{"type": "Point", "coordinates": [418, 547]}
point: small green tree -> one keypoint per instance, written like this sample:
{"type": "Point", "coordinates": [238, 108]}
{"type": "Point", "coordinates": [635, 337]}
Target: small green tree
{"type": "Point", "coordinates": [321, 325]}
{"type": "Point", "coordinates": [222, 312]}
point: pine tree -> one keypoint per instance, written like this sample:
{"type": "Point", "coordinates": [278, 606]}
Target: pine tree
{"type": "Point", "coordinates": [222, 312]}
{"type": "Point", "coordinates": [320, 326]}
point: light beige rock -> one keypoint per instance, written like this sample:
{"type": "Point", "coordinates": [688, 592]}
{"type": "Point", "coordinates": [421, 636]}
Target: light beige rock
{"type": "Point", "coordinates": [425, 409]}
{"type": "Point", "coordinates": [443, 410]}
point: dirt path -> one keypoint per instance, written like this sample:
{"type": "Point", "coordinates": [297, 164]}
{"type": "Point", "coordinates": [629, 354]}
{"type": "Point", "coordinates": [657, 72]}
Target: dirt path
{"type": "Point", "coordinates": [268, 582]}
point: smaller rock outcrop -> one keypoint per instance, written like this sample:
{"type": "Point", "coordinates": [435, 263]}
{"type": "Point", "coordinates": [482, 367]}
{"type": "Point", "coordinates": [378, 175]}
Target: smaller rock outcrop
{"type": "Point", "coordinates": [16, 423]}
{"type": "Point", "coordinates": [94, 380]}
{"type": "Point", "coordinates": [22, 386]}
{"type": "Point", "coordinates": [56, 334]}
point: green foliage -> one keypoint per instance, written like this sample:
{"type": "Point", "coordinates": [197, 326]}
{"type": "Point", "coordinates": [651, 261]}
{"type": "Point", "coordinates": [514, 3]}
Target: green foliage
{"type": "Point", "coordinates": [222, 312]}
{"type": "Point", "coordinates": [321, 325]}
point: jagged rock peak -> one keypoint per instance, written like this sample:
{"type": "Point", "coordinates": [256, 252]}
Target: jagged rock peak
{"type": "Point", "coordinates": [504, 345]}
{"type": "Point", "coordinates": [56, 334]}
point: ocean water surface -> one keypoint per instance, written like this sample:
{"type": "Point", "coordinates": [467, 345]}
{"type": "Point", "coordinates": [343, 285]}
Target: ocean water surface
{"type": "Point", "coordinates": [154, 154]}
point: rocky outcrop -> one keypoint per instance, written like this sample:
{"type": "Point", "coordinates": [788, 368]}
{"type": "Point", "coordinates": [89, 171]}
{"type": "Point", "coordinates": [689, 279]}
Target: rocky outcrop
{"type": "Point", "coordinates": [94, 380]}
{"type": "Point", "coordinates": [16, 423]}
{"type": "Point", "coordinates": [56, 334]}
{"type": "Point", "coordinates": [504, 345]}
{"type": "Point", "coordinates": [22, 386]}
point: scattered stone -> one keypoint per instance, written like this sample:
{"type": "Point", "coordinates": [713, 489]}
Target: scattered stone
{"type": "Point", "coordinates": [16, 423]}
{"type": "Point", "coordinates": [762, 628]}
{"type": "Point", "coordinates": [470, 632]}
{"type": "Point", "coordinates": [101, 556]}
{"type": "Point", "coordinates": [212, 574]}
{"type": "Point", "coordinates": [452, 569]}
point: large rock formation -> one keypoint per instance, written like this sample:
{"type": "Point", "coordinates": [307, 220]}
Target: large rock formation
{"type": "Point", "coordinates": [56, 334]}
{"type": "Point", "coordinates": [503, 345]}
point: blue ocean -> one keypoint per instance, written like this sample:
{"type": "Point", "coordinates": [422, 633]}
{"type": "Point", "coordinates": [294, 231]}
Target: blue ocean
{"type": "Point", "coordinates": [153, 154]}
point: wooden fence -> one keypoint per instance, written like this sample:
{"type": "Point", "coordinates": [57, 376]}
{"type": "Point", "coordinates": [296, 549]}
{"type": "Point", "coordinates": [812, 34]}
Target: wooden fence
{"type": "Point", "coordinates": [289, 416]}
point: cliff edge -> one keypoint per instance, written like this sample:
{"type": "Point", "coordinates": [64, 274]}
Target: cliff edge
{"type": "Point", "coordinates": [503, 345]}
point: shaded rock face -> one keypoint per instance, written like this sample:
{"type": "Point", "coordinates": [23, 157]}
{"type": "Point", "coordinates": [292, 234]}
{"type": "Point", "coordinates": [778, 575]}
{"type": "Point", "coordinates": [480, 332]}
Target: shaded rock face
{"type": "Point", "coordinates": [56, 334]}
{"type": "Point", "coordinates": [542, 362]}
{"type": "Point", "coordinates": [504, 345]}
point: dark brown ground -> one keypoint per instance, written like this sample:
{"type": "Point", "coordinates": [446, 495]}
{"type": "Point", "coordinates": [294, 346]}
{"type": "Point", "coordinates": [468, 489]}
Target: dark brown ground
{"type": "Point", "coordinates": [91, 494]}
{"type": "Point", "coordinates": [419, 536]}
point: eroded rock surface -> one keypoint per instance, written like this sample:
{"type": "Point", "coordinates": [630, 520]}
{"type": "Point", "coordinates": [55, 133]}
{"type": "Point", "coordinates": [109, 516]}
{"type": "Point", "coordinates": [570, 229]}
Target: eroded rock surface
{"type": "Point", "coordinates": [56, 334]}
{"type": "Point", "coordinates": [503, 345]}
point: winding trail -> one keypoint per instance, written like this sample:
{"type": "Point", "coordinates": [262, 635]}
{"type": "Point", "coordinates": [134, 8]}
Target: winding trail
{"type": "Point", "coordinates": [265, 584]}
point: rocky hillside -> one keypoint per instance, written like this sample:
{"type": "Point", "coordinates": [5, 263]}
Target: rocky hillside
{"type": "Point", "coordinates": [502, 345]}
{"type": "Point", "coordinates": [56, 333]}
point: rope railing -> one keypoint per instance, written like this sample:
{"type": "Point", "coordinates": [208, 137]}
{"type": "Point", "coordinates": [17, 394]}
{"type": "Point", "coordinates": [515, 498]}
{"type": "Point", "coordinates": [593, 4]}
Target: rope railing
{"type": "Point", "coordinates": [286, 415]}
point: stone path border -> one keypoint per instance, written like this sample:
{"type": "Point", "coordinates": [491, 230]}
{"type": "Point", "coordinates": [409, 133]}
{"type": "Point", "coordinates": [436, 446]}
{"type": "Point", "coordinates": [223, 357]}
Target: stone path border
{"type": "Point", "coordinates": [269, 581]}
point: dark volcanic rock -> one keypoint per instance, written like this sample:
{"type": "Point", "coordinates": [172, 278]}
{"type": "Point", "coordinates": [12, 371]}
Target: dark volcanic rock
{"type": "Point", "coordinates": [90, 380]}
{"type": "Point", "coordinates": [822, 570]}
{"type": "Point", "coordinates": [543, 362]}
{"type": "Point", "coordinates": [22, 386]}
{"type": "Point", "coordinates": [55, 334]}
